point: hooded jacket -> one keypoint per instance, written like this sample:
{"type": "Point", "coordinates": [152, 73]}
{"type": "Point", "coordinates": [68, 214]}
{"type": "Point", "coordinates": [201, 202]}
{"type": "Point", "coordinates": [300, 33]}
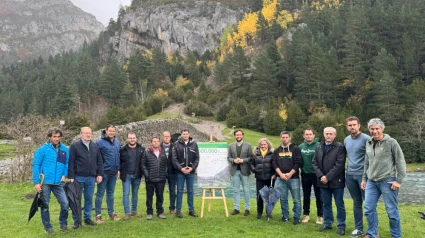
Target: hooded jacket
{"type": "Point", "coordinates": [185, 155]}
{"type": "Point", "coordinates": [110, 151]}
{"type": "Point", "coordinates": [307, 153]}
{"type": "Point", "coordinates": [53, 164]}
{"type": "Point", "coordinates": [124, 157]}
{"type": "Point", "coordinates": [154, 168]}
{"type": "Point", "coordinates": [262, 167]}
{"type": "Point", "coordinates": [332, 165]}
{"type": "Point", "coordinates": [384, 161]}
{"type": "Point", "coordinates": [287, 159]}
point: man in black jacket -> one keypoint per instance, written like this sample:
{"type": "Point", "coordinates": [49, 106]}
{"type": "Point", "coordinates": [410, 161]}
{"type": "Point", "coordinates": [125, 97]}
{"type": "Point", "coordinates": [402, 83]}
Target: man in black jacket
{"type": "Point", "coordinates": [86, 167]}
{"type": "Point", "coordinates": [167, 146]}
{"type": "Point", "coordinates": [185, 161]}
{"type": "Point", "coordinates": [287, 162]}
{"type": "Point", "coordinates": [329, 167]}
{"type": "Point", "coordinates": [155, 171]}
{"type": "Point", "coordinates": [131, 174]}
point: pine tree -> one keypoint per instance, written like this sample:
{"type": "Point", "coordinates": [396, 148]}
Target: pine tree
{"type": "Point", "coordinates": [265, 82]}
{"type": "Point", "coordinates": [112, 82]}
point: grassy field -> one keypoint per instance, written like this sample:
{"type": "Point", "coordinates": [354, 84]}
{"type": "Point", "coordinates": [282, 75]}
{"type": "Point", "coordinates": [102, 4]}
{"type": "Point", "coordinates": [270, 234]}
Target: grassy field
{"type": "Point", "coordinates": [252, 137]}
{"type": "Point", "coordinates": [14, 210]}
{"type": "Point", "coordinates": [7, 151]}
{"type": "Point", "coordinates": [163, 115]}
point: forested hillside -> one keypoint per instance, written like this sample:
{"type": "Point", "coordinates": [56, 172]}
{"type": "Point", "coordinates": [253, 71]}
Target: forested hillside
{"type": "Point", "coordinates": [285, 65]}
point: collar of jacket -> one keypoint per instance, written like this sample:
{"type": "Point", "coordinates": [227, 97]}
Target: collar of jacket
{"type": "Point", "coordinates": [151, 149]}
{"type": "Point", "coordinates": [188, 142]}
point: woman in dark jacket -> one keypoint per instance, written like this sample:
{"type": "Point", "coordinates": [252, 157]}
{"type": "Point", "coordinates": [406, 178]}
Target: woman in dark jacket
{"type": "Point", "coordinates": [261, 165]}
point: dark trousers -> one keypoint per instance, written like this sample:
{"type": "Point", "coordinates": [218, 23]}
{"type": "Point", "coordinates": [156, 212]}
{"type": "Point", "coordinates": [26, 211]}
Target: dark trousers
{"type": "Point", "coordinates": [259, 185]}
{"type": "Point", "coordinates": [172, 183]}
{"type": "Point", "coordinates": [308, 180]}
{"type": "Point", "coordinates": [158, 189]}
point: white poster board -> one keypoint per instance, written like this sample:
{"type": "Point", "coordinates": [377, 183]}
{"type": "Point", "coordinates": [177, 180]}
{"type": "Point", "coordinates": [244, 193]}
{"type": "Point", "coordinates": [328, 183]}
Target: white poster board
{"type": "Point", "coordinates": [213, 168]}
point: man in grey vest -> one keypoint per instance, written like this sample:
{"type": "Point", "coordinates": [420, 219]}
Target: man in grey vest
{"type": "Point", "coordinates": [239, 155]}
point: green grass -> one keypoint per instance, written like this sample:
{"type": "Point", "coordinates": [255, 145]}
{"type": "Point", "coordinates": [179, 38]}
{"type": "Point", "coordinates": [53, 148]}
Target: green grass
{"type": "Point", "coordinates": [414, 166]}
{"type": "Point", "coordinates": [163, 115]}
{"type": "Point", "coordinates": [7, 151]}
{"type": "Point", "coordinates": [251, 137]}
{"type": "Point", "coordinates": [15, 209]}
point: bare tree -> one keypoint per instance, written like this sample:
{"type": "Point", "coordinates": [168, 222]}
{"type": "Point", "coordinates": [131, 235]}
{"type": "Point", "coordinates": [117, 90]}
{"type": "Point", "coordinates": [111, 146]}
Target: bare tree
{"type": "Point", "coordinates": [416, 125]}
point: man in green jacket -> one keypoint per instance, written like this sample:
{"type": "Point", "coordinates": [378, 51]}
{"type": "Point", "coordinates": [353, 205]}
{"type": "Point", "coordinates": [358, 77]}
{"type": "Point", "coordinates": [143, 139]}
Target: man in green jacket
{"type": "Point", "coordinates": [384, 171]}
{"type": "Point", "coordinates": [308, 177]}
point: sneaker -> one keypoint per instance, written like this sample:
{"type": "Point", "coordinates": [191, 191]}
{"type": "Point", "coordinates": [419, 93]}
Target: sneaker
{"type": "Point", "coordinates": [76, 225]}
{"type": "Point", "coordinates": [179, 214]}
{"type": "Point", "coordinates": [89, 222]}
{"type": "Point", "coordinates": [99, 219]}
{"type": "Point", "coordinates": [296, 221]}
{"type": "Point", "coordinates": [50, 231]}
{"type": "Point", "coordinates": [136, 214]}
{"type": "Point", "coordinates": [114, 216]}
{"type": "Point", "coordinates": [284, 219]}
{"type": "Point", "coordinates": [324, 228]}
{"type": "Point", "coordinates": [172, 212]}
{"type": "Point", "coordinates": [341, 231]}
{"type": "Point", "coordinates": [246, 213]}
{"type": "Point", "coordinates": [319, 221]}
{"type": "Point", "coordinates": [235, 212]}
{"type": "Point", "coordinates": [192, 213]}
{"type": "Point", "coordinates": [306, 219]}
{"type": "Point", "coordinates": [64, 229]}
{"type": "Point", "coordinates": [149, 217]}
{"type": "Point", "coordinates": [162, 216]}
{"type": "Point", "coordinates": [126, 217]}
{"type": "Point", "coordinates": [356, 233]}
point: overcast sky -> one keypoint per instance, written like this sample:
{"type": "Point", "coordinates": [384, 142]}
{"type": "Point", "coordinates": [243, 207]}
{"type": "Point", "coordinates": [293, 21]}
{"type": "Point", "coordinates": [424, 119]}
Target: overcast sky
{"type": "Point", "coordinates": [103, 10]}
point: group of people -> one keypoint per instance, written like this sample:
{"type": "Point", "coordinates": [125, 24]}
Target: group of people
{"type": "Point", "coordinates": [103, 161]}
{"type": "Point", "coordinates": [376, 166]}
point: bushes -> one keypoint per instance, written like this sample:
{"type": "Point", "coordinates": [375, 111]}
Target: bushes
{"type": "Point", "coordinates": [120, 116]}
{"type": "Point", "coordinates": [197, 107]}
{"type": "Point", "coordinates": [273, 123]}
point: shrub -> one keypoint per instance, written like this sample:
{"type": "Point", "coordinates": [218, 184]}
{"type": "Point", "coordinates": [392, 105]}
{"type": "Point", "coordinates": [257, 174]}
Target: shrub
{"type": "Point", "coordinates": [197, 107]}
{"type": "Point", "coordinates": [222, 112]}
{"type": "Point", "coordinates": [273, 123]}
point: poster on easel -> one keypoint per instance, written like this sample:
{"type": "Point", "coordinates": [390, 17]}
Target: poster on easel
{"type": "Point", "coordinates": [213, 168]}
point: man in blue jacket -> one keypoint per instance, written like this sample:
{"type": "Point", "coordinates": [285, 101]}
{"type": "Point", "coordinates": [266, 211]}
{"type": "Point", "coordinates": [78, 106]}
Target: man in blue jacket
{"type": "Point", "coordinates": [51, 160]}
{"type": "Point", "coordinates": [109, 147]}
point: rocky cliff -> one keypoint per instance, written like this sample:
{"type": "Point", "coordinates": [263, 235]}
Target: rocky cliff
{"type": "Point", "coordinates": [29, 28]}
{"type": "Point", "coordinates": [174, 26]}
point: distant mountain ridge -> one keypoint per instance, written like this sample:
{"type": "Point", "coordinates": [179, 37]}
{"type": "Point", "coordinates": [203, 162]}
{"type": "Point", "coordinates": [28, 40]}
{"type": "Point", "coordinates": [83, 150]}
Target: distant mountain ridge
{"type": "Point", "coordinates": [29, 28]}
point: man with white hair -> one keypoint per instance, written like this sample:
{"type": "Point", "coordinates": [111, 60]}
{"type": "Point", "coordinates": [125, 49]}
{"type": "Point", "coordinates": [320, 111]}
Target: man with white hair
{"type": "Point", "coordinates": [384, 171]}
{"type": "Point", "coordinates": [329, 167]}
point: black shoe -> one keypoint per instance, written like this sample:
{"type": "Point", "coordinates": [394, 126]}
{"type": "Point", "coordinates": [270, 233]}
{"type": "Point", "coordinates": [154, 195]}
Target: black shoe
{"type": "Point", "coordinates": [341, 231]}
{"type": "Point", "coordinates": [179, 214]}
{"type": "Point", "coordinates": [324, 228]}
{"type": "Point", "coordinates": [76, 225]}
{"type": "Point", "coordinates": [193, 214]}
{"type": "Point", "coordinates": [89, 222]}
{"type": "Point", "coordinates": [235, 212]}
{"type": "Point", "coordinates": [246, 213]}
{"type": "Point", "coordinates": [296, 221]}
{"type": "Point", "coordinates": [259, 215]}
{"type": "Point", "coordinates": [284, 219]}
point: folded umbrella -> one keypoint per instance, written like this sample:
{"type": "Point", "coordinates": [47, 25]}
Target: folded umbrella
{"type": "Point", "coordinates": [72, 191]}
{"type": "Point", "coordinates": [38, 201]}
{"type": "Point", "coordinates": [270, 197]}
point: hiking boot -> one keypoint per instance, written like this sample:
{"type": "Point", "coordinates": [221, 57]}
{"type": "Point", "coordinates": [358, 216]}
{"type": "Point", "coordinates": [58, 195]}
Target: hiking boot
{"type": "Point", "coordinates": [50, 231]}
{"type": "Point", "coordinates": [136, 214]}
{"type": "Point", "coordinates": [296, 221]}
{"type": "Point", "coordinates": [149, 217]}
{"type": "Point", "coordinates": [341, 231]}
{"type": "Point", "coordinates": [319, 221]}
{"type": "Point", "coordinates": [162, 216]}
{"type": "Point", "coordinates": [356, 233]}
{"type": "Point", "coordinates": [259, 215]}
{"type": "Point", "coordinates": [76, 225]}
{"type": "Point", "coordinates": [114, 216]}
{"type": "Point", "coordinates": [179, 214]}
{"type": "Point", "coordinates": [235, 212]}
{"type": "Point", "coordinates": [324, 228]}
{"type": "Point", "coordinates": [192, 213]}
{"type": "Point", "coordinates": [306, 219]}
{"type": "Point", "coordinates": [172, 212]}
{"type": "Point", "coordinates": [99, 219]}
{"type": "Point", "coordinates": [126, 217]}
{"type": "Point", "coordinates": [284, 219]}
{"type": "Point", "coordinates": [89, 222]}
{"type": "Point", "coordinates": [64, 229]}
{"type": "Point", "coordinates": [246, 213]}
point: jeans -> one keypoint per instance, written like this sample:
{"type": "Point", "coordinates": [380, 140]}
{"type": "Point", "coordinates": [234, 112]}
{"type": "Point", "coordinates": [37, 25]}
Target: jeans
{"type": "Point", "coordinates": [59, 192]}
{"type": "Point", "coordinates": [259, 185]}
{"type": "Point", "coordinates": [86, 185]}
{"type": "Point", "coordinates": [237, 179]}
{"type": "Point", "coordinates": [172, 183]}
{"type": "Point", "coordinates": [108, 184]}
{"type": "Point", "coordinates": [190, 180]}
{"type": "Point", "coordinates": [158, 189]}
{"type": "Point", "coordinates": [135, 184]}
{"type": "Point", "coordinates": [357, 194]}
{"type": "Point", "coordinates": [308, 180]}
{"type": "Point", "coordinates": [328, 216]}
{"type": "Point", "coordinates": [292, 185]}
{"type": "Point", "coordinates": [373, 191]}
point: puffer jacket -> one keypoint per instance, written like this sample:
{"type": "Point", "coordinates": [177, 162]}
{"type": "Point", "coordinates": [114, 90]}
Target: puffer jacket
{"type": "Point", "coordinates": [110, 151]}
{"type": "Point", "coordinates": [154, 168]}
{"type": "Point", "coordinates": [262, 167]}
{"type": "Point", "coordinates": [53, 164]}
{"type": "Point", "coordinates": [185, 155]}
{"type": "Point", "coordinates": [138, 171]}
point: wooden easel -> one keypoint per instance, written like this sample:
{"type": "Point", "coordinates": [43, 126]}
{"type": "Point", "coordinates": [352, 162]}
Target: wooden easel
{"type": "Point", "coordinates": [211, 196]}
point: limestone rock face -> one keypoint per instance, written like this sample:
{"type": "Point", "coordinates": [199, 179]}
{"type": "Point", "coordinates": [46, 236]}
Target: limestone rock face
{"type": "Point", "coordinates": [174, 26]}
{"type": "Point", "coordinates": [29, 28]}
